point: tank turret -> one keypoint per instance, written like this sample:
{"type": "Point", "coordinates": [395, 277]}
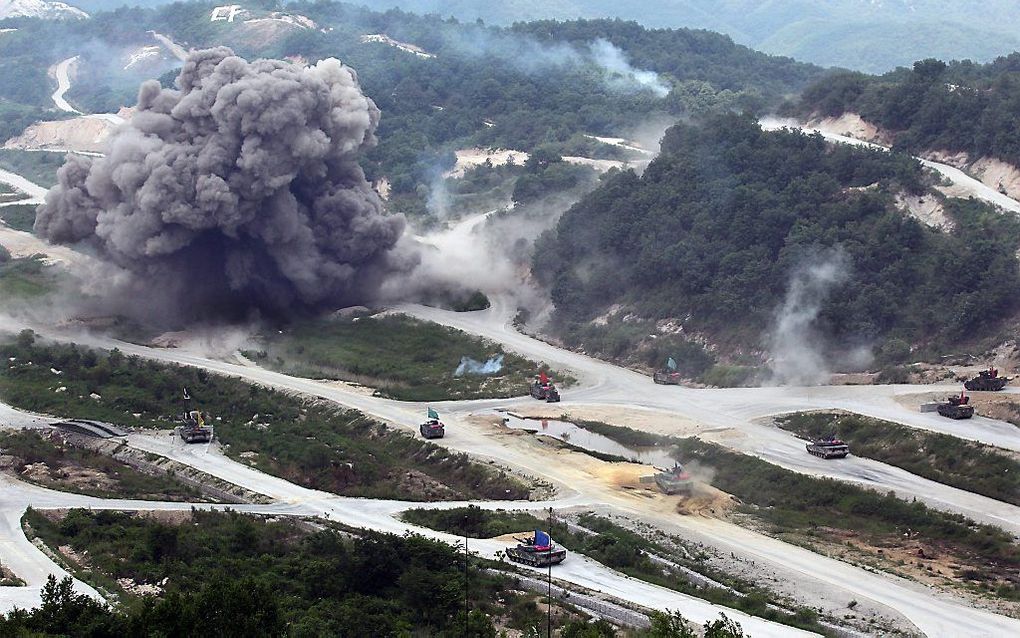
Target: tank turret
{"type": "Point", "coordinates": [957, 407]}
{"type": "Point", "coordinates": [544, 390]}
{"type": "Point", "coordinates": [432, 428]}
{"type": "Point", "coordinates": [829, 448]}
{"type": "Point", "coordinates": [537, 551]}
{"type": "Point", "coordinates": [674, 481]}
{"type": "Point", "coordinates": [668, 375]}
{"type": "Point", "coordinates": [195, 427]}
{"type": "Point", "coordinates": [987, 381]}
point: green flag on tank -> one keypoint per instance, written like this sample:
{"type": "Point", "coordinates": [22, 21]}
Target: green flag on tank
{"type": "Point", "coordinates": [433, 414]}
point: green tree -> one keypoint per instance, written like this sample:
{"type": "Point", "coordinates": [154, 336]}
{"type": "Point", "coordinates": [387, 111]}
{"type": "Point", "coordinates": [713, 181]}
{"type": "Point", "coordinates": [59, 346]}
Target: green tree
{"type": "Point", "coordinates": [670, 624]}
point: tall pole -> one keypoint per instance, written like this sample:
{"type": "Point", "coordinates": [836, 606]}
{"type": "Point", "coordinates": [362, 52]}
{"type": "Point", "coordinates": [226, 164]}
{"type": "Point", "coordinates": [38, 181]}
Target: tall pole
{"type": "Point", "coordinates": [466, 610]}
{"type": "Point", "coordinates": [548, 599]}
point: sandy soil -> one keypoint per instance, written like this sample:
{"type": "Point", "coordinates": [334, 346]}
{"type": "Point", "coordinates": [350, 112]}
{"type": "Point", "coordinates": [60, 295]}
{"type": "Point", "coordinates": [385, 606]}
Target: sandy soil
{"type": "Point", "coordinates": [645, 420]}
{"type": "Point", "coordinates": [403, 46]}
{"type": "Point", "coordinates": [600, 165]}
{"type": "Point", "coordinates": [471, 157]}
{"type": "Point", "coordinates": [911, 558]}
{"type": "Point", "coordinates": [22, 244]}
{"type": "Point", "coordinates": [851, 125]}
{"type": "Point", "coordinates": [85, 133]}
{"type": "Point", "coordinates": [926, 209]}
{"type": "Point", "coordinates": [997, 174]}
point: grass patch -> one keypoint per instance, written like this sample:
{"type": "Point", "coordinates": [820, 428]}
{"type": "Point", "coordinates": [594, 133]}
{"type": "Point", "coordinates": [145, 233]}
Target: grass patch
{"type": "Point", "coordinates": [792, 503]}
{"type": "Point", "coordinates": [26, 277]}
{"type": "Point", "coordinates": [307, 442]}
{"type": "Point", "coordinates": [234, 575]}
{"type": "Point", "coordinates": [85, 471]}
{"type": "Point", "coordinates": [616, 547]}
{"type": "Point", "coordinates": [403, 358]}
{"type": "Point", "coordinates": [947, 459]}
{"type": "Point", "coordinates": [19, 216]}
{"type": "Point", "coordinates": [38, 167]}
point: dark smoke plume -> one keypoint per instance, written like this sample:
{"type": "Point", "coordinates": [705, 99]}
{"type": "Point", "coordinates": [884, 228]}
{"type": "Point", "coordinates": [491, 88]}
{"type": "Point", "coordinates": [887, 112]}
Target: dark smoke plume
{"type": "Point", "coordinates": [240, 191]}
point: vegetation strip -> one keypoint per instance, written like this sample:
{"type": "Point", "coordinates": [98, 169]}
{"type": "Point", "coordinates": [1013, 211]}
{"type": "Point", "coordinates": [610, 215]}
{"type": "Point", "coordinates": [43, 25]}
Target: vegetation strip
{"type": "Point", "coordinates": [210, 573]}
{"type": "Point", "coordinates": [404, 358]}
{"type": "Point", "coordinates": [790, 502]}
{"type": "Point", "coordinates": [25, 277]}
{"type": "Point", "coordinates": [309, 443]}
{"type": "Point", "coordinates": [48, 459]}
{"type": "Point", "coordinates": [619, 548]}
{"type": "Point", "coordinates": [968, 465]}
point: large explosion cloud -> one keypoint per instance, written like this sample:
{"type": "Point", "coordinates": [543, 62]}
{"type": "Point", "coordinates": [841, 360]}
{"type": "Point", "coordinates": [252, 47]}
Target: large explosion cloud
{"type": "Point", "coordinates": [240, 191]}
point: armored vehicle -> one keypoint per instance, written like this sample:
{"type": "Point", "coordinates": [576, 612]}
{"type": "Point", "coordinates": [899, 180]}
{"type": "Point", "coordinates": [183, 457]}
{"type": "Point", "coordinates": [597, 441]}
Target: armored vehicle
{"type": "Point", "coordinates": [674, 481]}
{"type": "Point", "coordinates": [195, 428]}
{"type": "Point", "coordinates": [432, 428]}
{"type": "Point", "coordinates": [665, 377]}
{"type": "Point", "coordinates": [544, 390]}
{"type": "Point", "coordinates": [668, 375]}
{"type": "Point", "coordinates": [987, 381]}
{"type": "Point", "coordinates": [830, 448]}
{"type": "Point", "coordinates": [957, 407]}
{"type": "Point", "coordinates": [537, 551]}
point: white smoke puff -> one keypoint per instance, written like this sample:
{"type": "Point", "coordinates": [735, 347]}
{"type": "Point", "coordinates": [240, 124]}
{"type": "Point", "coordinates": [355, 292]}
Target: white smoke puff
{"type": "Point", "coordinates": [241, 191]}
{"type": "Point", "coordinates": [623, 76]}
{"type": "Point", "coordinates": [470, 366]}
{"type": "Point", "coordinates": [797, 353]}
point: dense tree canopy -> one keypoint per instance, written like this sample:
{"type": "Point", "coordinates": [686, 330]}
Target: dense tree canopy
{"type": "Point", "coordinates": [715, 226]}
{"type": "Point", "coordinates": [959, 106]}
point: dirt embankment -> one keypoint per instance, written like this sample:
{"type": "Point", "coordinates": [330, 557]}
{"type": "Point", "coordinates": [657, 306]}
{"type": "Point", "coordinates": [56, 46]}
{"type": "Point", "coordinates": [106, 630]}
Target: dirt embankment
{"type": "Point", "coordinates": [83, 133]}
{"type": "Point", "coordinates": [992, 172]}
{"type": "Point", "coordinates": [851, 125]}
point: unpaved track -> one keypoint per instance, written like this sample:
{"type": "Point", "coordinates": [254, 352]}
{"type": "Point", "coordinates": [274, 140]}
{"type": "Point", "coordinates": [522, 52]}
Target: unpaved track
{"type": "Point", "coordinates": [732, 415]}
{"type": "Point", "coordinates": [32, 565]}
{"type": "Point", "coordinates": [60, 72]}
{"type": "Point", "coordinates": [935, 614]}
{"type": "Point", "coordinates": [35, 192]}
{"type": "Point", "coordinates": [970, 185]}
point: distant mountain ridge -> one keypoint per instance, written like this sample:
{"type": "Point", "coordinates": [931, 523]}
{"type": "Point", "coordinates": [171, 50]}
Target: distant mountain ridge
{"type": "Point", "coordinates": [866, 35]}
{"type": "Point", "coordinates": [39, 9]}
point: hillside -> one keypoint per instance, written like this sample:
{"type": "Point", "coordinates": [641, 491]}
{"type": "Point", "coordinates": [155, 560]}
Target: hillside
{"type": "Point", "coordinates": [441, 85]}
{"type": "Point", "coordinates": [730, 225]}
{"type": "Point", "coordinates": [858, 34]}
{"type": "Point", "coordinates": [40, 9]}
{"type": "Point", "coordinates": [958, 107]}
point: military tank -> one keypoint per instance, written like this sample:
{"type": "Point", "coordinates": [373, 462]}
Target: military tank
{"type": "Point", "coordinates": [665, 377]}
{"type": "Point", "coordinates": [957, 407]}
{"type": "Point", "coordinates": [544, 390]}
{"type": "Point", "coordinates": [432, 428]}
{"type": "Point", "coordinates": [668, 375]}
{"type": "Point", "coordinates": [674, 481]}
{"type": "Point", "coordinates": [537, 551]}
{"type": "Point", "coordinates": [830, 448]}
{"type": "Point", "coordinates": [987, 381]}
{"type": "Point", "coordinates": [194, 427]}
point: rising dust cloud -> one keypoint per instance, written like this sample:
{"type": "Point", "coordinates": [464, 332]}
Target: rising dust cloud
{"type": "Point", "coordinates": [798, 356]}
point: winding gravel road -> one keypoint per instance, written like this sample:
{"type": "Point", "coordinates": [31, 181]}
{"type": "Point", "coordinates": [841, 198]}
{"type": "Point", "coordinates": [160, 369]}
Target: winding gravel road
{"type": "Point", "coordinates": [933, 613]}
{"type": "Point", "coordinates": [732, 417]}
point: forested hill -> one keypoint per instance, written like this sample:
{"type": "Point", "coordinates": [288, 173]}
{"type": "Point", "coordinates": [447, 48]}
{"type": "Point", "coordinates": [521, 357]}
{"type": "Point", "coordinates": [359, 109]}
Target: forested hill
{"type": "Point", "coordinates": [464, 85]}
{"type": "Point", "coordinates": [855, 34]}
{"type": "Point", "coordinates": [959, 106]}
{"type": "Point", "coordinates": [712, 232]}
